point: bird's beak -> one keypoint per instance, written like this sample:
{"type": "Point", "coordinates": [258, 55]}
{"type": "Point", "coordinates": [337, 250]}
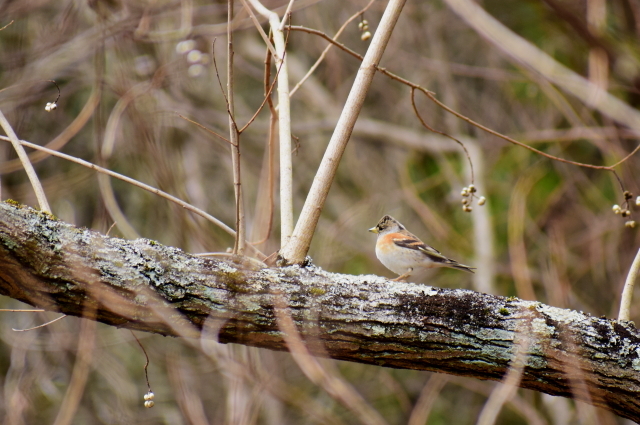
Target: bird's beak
{"type": "Point", "coordinates": [374, 230]}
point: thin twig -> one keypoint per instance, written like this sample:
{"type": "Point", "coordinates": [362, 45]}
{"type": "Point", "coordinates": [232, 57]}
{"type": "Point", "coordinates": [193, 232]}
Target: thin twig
{"type": "Point", "coordinates": [7, 25]}
{"type": "Point", "coordinates": [203, 127]}
{"type": "Point", "coordinates": [633, 152]}
{"type": "Point", "coordinates": [259, 27]}
{"type": "Point", "coordinates": [326, 49]}
{"type": "Point", "coordinates": [21, 309]}
{"type": "Point", "coordinates": [356, 55]}
{"type": "Point", "coordinates": [215, 65]}
{"type": "Point", "coordinates": [287, 13]}
{"type": "Point", "coordinates": [432, 97]}
{"type": "Point", "coordinates": [264, 101]}
{"type": "Point", "coordinates": [141, 185]}
{"type": "Point", "coordinates": [61, 139]}
{"type": "Point", "coordinates": [234, 137]}
{"type": "Point", "coordinates": [40, 326]}
{"type": "Point", "coordinates": [146, 365]}
{"type": "Point", "coordinates": [273, 121]}
{"type": "Point", "coordinates": [284, 123]}
{"type": "Point", "coordinates": [24, 158]}
{"type": "Point", "coordinates": [466, 152]}
{"type": "Point", "coordinates": [510, 140]}
{"type": "Point", "coordinates": [627, 292]}
{"type": "Point", "coordinates": [111, 228]}
{"type": "Point", "coordinates": [58, 87]}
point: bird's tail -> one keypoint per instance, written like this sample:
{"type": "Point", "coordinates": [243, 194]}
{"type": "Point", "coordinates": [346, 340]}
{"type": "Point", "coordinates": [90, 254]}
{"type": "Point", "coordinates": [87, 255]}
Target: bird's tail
{"type": "Point", "coordinates": [456, 265]}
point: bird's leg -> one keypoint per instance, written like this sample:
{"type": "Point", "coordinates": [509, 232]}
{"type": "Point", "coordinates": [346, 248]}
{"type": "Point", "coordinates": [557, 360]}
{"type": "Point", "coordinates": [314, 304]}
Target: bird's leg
{"type": "Point", "coordinates": [403, 277]}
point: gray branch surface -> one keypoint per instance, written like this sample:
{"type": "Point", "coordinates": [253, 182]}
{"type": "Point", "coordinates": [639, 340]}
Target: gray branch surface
{"type": "Point", "coordinates": [145, 286]}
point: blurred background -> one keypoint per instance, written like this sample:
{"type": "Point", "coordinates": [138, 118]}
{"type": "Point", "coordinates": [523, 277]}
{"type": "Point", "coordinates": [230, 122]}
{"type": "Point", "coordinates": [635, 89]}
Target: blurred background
{"type": "Point", "coordinates": [126, 68]}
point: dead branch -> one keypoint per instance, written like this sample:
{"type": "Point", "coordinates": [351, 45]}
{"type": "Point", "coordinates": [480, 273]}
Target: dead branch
{"type": "Point", "coordinates": [143, 285]}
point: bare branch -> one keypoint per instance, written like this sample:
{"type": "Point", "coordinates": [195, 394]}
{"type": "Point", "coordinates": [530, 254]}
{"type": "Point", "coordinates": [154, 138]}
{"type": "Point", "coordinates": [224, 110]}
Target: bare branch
{"type": "Point", "coordinates": [366, 319]}
{"type": "Point", "coordinates": [296, 249]}
{"type": "Point", "coordinates": [215, 66]}
{"type": "Point", "coordinates": [286, 15]}
{"type": "Point", "coordinates": [266, 99]}
{"type": "Point", "coordinates": [7, 25]}
{"type": "Point", "coordinates": [141, 185]}
{"type": "Point", "coordinates": [146, 364]}
{"type": "Point", "coordinates": [40, 326]}
{"type": "Point", "coordinates": [284, 121]}
{"type": "Point", "coordinates": [204, 128]}
{"type": "Point", "coordinates": [627, 292]}
{"type": "Point", "coordinates": [22, 310]}
{"type": "Point", "coordinates": [234, 138]}
{"type": "Point", "coordinates": [428, 127]}
{"type": "Point", "coordinates": [264, 36]}
{"type": "Point", "coordinates": [270, 158]}
{"type": "Point", "coordinates": [24, 159]}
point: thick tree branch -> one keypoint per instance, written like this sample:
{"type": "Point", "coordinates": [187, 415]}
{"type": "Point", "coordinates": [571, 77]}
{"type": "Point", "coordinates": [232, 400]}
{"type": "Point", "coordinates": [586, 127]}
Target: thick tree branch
{"type": "Point", "coordinates": [146, 286]}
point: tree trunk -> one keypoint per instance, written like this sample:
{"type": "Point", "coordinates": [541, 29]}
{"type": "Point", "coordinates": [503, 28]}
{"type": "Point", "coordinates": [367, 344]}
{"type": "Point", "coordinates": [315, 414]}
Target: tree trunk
{"type": "Point", "coordinates": [143, 285]}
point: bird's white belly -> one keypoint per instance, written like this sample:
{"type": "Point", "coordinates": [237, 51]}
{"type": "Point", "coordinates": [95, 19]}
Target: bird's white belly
{"type": "Point", "coordinates": [400, 264]}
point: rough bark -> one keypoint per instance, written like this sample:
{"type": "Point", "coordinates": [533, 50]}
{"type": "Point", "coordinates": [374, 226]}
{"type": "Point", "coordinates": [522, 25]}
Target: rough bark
{"type": "Point", "coordinates": [143, 285]}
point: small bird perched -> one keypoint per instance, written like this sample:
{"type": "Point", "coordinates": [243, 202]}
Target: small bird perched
{"type": "Point", "coordinates": [403, 253]}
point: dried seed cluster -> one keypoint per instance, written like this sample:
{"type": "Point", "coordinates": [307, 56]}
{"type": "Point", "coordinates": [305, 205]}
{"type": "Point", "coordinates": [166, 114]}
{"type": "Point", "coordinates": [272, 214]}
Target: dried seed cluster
{"type": "Point", "coordinates": [195, 58]}
{"type": "Point", "coordinates": [52, 106]}
{"type": "Point", "coordinates": [148, 400]}
{"type": "Point", "coordinates": [468, 193]}
{"type": "Point", "coordinates": [625, 211]}
{"type": "Point", "coordinates": [364, 28]}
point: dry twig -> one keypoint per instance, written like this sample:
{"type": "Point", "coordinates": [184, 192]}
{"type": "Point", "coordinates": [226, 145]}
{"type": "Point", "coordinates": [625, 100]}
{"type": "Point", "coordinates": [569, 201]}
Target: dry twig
{"type": "Point", "coordinates": [234, 138]}
{"type": "Point", "coordinates": [141, 185]}
{"type": "Point", "coordinates": [284, 121]}
{"type": "Point", "coordinates": [24, 158]}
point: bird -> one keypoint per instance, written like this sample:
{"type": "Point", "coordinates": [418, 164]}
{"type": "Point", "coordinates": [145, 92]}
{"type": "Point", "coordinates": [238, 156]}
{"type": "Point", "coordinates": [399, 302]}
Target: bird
{"type": "Point", "coordinates": [404, 253]}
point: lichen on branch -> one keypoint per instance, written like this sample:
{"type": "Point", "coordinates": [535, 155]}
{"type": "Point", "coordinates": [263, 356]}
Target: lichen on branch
{"type": "Point", "coordinates": [144, 285]}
